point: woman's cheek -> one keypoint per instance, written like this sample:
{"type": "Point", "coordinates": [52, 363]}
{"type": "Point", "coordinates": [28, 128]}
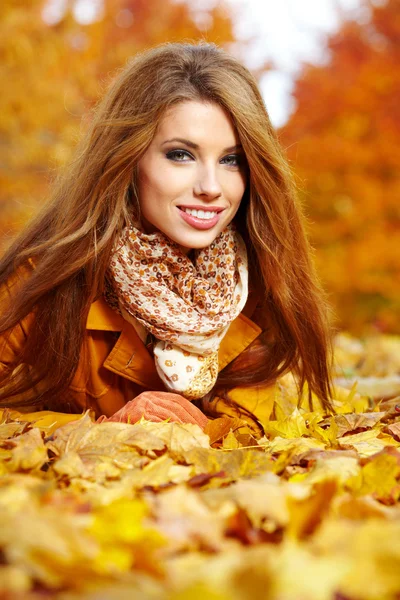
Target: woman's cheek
{"type": "Point", "coordinates": [171, 182]}
{"type": "Point", "coordinates": [236, 191]}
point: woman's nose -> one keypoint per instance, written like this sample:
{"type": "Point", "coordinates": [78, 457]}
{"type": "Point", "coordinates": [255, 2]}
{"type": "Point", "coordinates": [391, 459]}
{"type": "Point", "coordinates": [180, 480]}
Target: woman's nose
{"type": "Point", "coordinates": [207, 184]}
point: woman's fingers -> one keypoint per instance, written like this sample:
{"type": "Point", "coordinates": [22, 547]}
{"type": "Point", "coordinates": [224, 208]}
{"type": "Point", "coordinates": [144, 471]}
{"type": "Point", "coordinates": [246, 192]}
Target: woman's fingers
{"type": "Point", "coordinates": [175, 404]}
{"type": "Point", "coordinates": [159, 406]}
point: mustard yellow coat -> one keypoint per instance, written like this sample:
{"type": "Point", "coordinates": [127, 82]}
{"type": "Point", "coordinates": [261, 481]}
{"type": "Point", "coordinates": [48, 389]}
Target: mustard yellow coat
{"type": "Point", "coordinates": [117, 366]}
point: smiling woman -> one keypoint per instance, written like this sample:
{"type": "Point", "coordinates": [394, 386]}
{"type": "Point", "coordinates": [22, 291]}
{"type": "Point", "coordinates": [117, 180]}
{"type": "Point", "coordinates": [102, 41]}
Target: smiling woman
{"type": "Point", "coordinates": [170, 275]}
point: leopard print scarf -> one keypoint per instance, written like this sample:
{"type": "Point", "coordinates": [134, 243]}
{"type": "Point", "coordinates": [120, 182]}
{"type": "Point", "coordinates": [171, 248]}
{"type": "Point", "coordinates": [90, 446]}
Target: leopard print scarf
{"type": "Point", "coordinates": [187, 306]}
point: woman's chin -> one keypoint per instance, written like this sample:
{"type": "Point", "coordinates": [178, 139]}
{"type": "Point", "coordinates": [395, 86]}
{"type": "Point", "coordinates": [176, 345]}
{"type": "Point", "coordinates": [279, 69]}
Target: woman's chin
{"type": "Point", "coordinates": [194, 242]}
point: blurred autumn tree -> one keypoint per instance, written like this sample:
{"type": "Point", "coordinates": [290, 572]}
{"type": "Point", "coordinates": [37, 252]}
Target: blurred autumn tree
{"type": "Point", "coordinates": [344, 140]}
{"type": "Point", "coordinates": [52, 75]}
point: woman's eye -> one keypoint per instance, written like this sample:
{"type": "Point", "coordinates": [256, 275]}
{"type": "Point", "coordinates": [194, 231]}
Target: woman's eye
{"type": "Point", "coordinates": [233, 160]}
{"type": "Point", "coordinates": [179, 155]}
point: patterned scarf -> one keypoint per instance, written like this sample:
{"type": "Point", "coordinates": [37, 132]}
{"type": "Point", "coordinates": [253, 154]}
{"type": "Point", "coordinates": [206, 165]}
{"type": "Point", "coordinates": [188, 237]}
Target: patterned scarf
{"type": "Point", "coordinates": [187, 306]}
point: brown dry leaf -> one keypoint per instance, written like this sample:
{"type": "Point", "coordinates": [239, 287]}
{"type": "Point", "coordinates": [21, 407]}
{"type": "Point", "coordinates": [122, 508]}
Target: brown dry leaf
{"type": "Point", "coordinates": [69, 436]}
{"type": "Point", "coordinates": [394, 430]}
{"type": "Point", "coordinates": [355, 421]}
{"type": "Point", "coordinates": [216, 429]}
{"type": "Point", "coordinates": [11, 429]}
{"type": "Point", "coordinates": [389, 406]}
{"type": "Point", "coordinates": [101, 451]}
{"type": "Point", "coordinates": [28, 452]}
{"type": "Point", "coordinates": [179, 438]}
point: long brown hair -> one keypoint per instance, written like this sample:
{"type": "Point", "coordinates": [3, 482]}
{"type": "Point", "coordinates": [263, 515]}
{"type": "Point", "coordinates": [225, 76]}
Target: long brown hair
{"type": "Point", "coordinates": [71, 239]}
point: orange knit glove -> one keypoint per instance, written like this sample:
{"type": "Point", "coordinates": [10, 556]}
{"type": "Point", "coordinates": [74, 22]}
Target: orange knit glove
{"type": "Point", "coordinates": [158, 406]}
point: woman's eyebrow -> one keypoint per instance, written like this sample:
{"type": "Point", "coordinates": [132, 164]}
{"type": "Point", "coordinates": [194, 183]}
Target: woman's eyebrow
{"type": "Point", "coordinates": [196, 147]}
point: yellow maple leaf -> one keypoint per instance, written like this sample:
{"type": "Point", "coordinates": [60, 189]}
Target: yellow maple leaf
{"type": "Point", "coordinates": [230, 442]}
{"type": "Point", "coordinates": [121, 528]}
{"type": "Point", "coordinates": [292, 426]}
{"type": "Point", "coordinates": [328, 435]}
{"type": "Point", "coordinates": [379, 477]}
{"type": "Point", "coordinates": [367, 442]}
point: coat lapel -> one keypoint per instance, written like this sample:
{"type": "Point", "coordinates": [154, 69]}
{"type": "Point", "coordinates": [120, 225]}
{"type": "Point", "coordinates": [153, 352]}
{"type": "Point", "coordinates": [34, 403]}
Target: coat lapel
{"type": "Point", "coordinates": [131, 359]}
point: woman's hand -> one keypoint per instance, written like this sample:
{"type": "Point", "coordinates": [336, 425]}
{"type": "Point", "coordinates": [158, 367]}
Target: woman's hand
{"type": "Point", "coordinates": [158, 406]}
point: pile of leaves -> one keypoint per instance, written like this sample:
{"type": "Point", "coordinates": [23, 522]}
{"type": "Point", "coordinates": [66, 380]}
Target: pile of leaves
{"type": "Point", "coordinates": [166, 511]}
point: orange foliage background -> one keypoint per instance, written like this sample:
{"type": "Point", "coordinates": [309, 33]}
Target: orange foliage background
{"type": "Point", "coordinates": [342, 139]}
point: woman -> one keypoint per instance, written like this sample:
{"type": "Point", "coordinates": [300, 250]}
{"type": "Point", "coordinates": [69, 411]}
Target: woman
{"type": "Point", "coordinates": [171, 258]}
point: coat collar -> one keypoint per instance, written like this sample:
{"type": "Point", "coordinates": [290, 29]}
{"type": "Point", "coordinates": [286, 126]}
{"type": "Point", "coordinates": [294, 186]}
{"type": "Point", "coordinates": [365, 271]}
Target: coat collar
{"type": "Point", "coordinates": [103, 318]}
{"type": "Point", "coordinates": [131, 359]}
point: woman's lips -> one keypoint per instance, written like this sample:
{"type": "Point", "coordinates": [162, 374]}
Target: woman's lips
{"type": "Point", "coordinates": [202, 224]}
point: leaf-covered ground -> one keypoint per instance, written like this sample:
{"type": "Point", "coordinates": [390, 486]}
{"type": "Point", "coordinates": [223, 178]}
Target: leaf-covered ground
{"type": "Point", "coordinates": [115, 511]}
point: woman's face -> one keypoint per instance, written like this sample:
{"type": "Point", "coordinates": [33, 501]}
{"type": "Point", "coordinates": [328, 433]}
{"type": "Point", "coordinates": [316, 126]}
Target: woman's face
{"type": "Point", "coordinates": [192, 177]}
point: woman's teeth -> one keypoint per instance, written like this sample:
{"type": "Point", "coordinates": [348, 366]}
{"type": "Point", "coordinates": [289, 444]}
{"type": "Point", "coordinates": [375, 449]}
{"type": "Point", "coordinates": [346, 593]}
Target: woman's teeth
{"type": "Point", "coordinates": [200, 214]}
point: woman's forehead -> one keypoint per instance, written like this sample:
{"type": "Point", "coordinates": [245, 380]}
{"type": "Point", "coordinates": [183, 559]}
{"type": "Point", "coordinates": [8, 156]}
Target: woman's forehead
{"type": "Point", "coordinates": [198, 122]}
